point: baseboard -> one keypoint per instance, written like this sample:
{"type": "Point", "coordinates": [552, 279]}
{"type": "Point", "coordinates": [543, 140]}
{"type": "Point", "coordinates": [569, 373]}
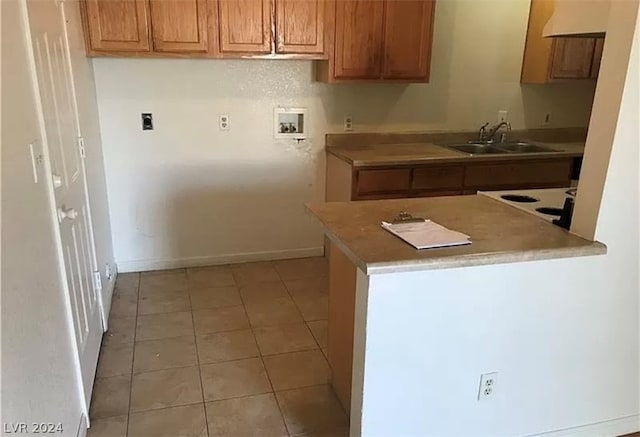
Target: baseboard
{"type": "Point", "coordinates": [608, 428]}
{"type": "Point", "coordinates": [176, 263]}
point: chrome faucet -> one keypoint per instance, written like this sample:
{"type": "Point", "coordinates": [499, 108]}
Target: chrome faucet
{"type": "Point", "coordinates": [489, 135]}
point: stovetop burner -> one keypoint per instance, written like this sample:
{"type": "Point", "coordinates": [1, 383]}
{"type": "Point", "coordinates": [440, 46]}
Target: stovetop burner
{"type": "Point", "coordinates": [550, 211]}
{"type": "Point", "coordinates": [519, 198]}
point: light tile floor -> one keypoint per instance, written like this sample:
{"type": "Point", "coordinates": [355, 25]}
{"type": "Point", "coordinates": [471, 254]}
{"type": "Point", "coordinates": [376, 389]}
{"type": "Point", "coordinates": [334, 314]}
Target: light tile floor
{"type": "Point", "coordinates": [218, 351]}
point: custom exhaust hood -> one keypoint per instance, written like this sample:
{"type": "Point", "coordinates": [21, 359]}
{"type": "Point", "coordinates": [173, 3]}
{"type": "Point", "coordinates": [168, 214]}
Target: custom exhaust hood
{"type": "Point", "coordinates": [578, 18]}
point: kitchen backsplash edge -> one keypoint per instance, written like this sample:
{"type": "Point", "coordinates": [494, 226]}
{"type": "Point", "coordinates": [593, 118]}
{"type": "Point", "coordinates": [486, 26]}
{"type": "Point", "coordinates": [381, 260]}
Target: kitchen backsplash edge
{"type": "Point", "coordinates": [363, 139]}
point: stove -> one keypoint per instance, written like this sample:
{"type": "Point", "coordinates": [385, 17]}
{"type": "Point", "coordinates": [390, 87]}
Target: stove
{"type": "Point", "coordinates": [544, 203]}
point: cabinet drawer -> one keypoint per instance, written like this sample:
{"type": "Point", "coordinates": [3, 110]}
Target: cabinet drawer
{"type": "Point", "coordinates": [436, 193]}
{"type": "Point", "coordinates": [528, 174]}
{"type": "Point", "coordinates": [381, 196]}
{"type": "Point", "coordinates": [383, 181]}
{"type": "Point", "coordinates": [437, 178]}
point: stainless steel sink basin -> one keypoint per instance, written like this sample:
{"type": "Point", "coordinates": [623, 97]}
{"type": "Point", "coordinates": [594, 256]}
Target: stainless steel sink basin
{"type": "Point", "coordinates": [475, 149]}
{"type": "Point", "coordinates": [497, 148]}
{"type": "Point", "coordinates": [523, 147]}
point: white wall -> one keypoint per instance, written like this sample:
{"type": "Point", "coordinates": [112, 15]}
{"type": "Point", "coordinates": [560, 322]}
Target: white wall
{"type": "Point", "coordinates": [563, 335]}
{"type": "Point", "coordinates": [187, 193]}
{"type": "Point", "coordinates": [38, 377]}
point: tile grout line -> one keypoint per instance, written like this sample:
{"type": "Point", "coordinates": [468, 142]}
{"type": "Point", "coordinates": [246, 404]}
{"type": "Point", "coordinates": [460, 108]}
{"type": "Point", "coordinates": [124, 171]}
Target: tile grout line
{"type": "Point", "coordinates": [195, 340]}
{"type": "Point", "coordinates": [152, 410]}
{"type": "Point", "coordinates": [273, 391]}
{"type": "Point", "coordinates": [133, 354]}
{"type": "Point", "coordinates": [302, 316]}
{"type": "Point", "coordinates": [306, 322]}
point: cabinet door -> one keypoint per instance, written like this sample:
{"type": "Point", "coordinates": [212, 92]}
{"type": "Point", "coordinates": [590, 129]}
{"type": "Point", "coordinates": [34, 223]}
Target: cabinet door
{"type": "Point", "coordinates": [358, 39]}
{"type": "Point", "coordinates": [572, 58]}
{"type": "Point", "coordinates": [245, 26]}
{"type": "Point", "coordinates": [117, 25]}
{"type": "Point", "coordinates": [516, 175]}
{"type": "Point", "coordinates": [300, 26]}
{"type": "Point", "coordinates": [383, 181]}
{"type": "Point", "coordinates": [179, 25]}
{"type": "Point", "coordinates": [407, 39]}
{"type": "Point", "coordinates": [597, 58]}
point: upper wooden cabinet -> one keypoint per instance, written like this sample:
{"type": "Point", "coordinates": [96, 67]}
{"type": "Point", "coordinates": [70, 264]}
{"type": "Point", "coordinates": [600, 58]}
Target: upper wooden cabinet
{"type": "Point", "coordinates": [554, 59]}
{"type": "Point", "coordinates": [245, 26]}
{"type": "Point", "coordinates": [407, 45]}
{"type": "Point", "coordinates": [116, 25]}
{"type": "Point", "coordinates": [572, 58]}
{"type": "Point", "coordinates": [300, 26]}
{"type": "Point", "coordinates": [179, 25]}
{"type": "Point", "coordinates": [379, 40]}
{"type": "Point", "coordinates": [359, 30]}
{"type": "Point", "coordinates": [206, 28]}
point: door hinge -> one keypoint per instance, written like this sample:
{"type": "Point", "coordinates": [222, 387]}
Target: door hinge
{"type": "Point", "coordinates": [97, 280]}
{"type": "Point", "coordinates": [81, 147]}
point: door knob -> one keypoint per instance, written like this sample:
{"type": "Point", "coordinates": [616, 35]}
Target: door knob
{"type": "Point", "coordinates": [68, 213]}
{"type": "Point", "coordinates": [57, 180]}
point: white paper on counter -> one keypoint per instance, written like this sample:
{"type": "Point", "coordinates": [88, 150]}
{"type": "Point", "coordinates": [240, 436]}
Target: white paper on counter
{"type": "Point", "coordinates": [427, 234]}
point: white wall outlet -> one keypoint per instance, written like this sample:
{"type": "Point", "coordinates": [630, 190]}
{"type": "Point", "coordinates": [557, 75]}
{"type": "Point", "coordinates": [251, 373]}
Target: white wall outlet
{"type": "Point", "coordinates": [348, 123]}
{"type": "Point", "coordinates": [487, 387]}
{"type": "Point", "coordinates": [503, 115]}
{"type": "Point", "coordinates": [223, 122]}
{"type": "Point", "coordinates": [547, 119]}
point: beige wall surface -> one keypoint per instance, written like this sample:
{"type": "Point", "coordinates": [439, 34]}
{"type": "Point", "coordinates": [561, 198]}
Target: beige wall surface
{"type": "Point", "coordinates": [188, 193]}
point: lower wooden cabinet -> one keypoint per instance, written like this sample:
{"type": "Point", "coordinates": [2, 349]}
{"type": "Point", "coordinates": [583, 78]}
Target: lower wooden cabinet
{"type": "Point", "coordinates": [382, 181]}
{"type": "Point", "coordinates": [388, 182]}
{"type": "Point", "coordinates": [513, 175]}
{"type": "Point", "coordinates": [437, 178]}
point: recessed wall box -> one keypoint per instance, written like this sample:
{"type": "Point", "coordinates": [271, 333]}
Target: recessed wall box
{"type": "Point", "coordinates": [290, 123]}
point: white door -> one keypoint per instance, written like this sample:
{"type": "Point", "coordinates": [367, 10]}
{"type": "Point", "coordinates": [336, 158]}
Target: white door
{"type": "Point", "coordinates": [46, 22]}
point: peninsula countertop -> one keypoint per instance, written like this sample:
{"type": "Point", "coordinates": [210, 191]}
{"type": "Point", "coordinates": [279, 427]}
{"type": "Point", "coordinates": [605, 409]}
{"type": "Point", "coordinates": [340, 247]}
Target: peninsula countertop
{"type": "Point", "coordinates": [369, 155]}
{"type": "Point", "coordinates": [499, 233]}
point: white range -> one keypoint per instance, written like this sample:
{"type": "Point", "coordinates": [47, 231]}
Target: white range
{"type": "Point", "coordinates": [545, 203]}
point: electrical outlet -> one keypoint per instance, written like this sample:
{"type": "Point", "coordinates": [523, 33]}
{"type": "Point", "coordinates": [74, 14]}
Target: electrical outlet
{"type": "Point", "coordinates": [547, 119]}
{"type": "Point", "coordinates": [348, 123]}
{"type": "Point", "coordinates": [107, 271]}
{"type": "Point", "coordinates": [223, 122]}
{"type": "Point", "coordinates": [147, 121]}
{"type": "Point", "coordinates": [487, 387]}
{"type": "Point", "coordinates": [503, 115]}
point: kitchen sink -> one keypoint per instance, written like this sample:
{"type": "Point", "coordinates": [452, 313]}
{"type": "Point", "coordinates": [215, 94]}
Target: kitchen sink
{"type": "Point", "coordinates": [497, 148]}
{"type": "Point", "coordinates": [475, 149]}
{"type": "Point", "coordinates": [522, 147]}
